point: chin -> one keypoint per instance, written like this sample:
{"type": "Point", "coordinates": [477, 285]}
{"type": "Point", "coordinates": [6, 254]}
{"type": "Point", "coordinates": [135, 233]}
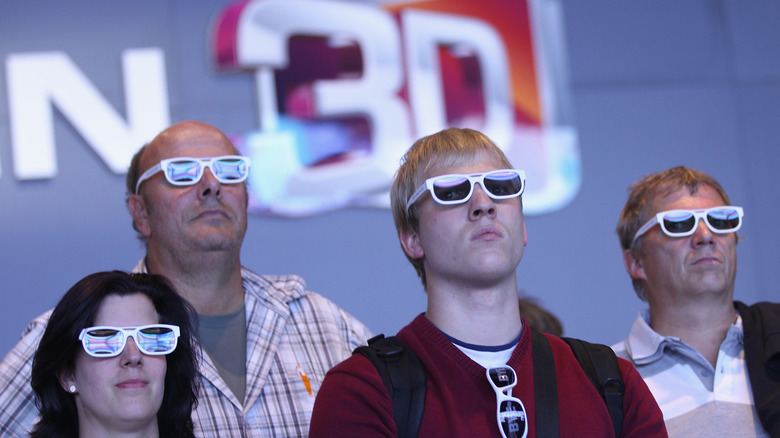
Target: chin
{"type": "Point", "coordinates": [216, 241]}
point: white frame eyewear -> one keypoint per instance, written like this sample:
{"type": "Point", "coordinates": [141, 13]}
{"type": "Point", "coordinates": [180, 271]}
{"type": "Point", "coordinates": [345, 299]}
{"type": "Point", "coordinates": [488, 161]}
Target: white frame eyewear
{"type": "Point", "coordinates": [447, 183]}
{"type": "Point", "coordinates": [670, 217]}
{"type": "Point", "coordinates": [507, 416]}
{"type": "Point", "coordinates": [199, 165]}
{"type": "Point", "coordinates": [113, 344]}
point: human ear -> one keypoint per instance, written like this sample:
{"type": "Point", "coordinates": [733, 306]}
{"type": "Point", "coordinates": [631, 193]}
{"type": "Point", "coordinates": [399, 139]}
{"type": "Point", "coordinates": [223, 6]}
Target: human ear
{"type": "Point", "coordinates": [525, 235]}
{"type": "Point", "coordinates": [410, 242]}
{"type": "Point", "coordinates": [139, 212]}
{"type": "Point", "coordinates": [67, 381]}
{"type": "Point", "coordinates": [633, 265]}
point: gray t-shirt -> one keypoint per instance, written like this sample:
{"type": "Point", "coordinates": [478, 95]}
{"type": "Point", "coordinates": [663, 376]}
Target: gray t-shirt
{"type": "Point", "coordinates": [223, 338]}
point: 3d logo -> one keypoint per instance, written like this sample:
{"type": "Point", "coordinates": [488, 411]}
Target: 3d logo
{"type": "Point", "coordinates": [344, 88]}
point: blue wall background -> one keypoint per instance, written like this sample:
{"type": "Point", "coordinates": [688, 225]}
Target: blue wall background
{"type": "Point", "coordinates": [654, 83]}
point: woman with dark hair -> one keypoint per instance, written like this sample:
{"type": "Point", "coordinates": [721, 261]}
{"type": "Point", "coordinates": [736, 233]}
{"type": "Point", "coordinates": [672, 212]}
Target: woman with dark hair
{"type": "Point", "coordinates": [117, 358]}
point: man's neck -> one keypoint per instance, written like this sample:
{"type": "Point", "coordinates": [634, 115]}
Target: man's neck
{"type": "Point", "coordinates": [484, 316]}
{"type": "Point", "coordinates": [703, 324]}
{"type": "Point", "coordinates": [211, 282]}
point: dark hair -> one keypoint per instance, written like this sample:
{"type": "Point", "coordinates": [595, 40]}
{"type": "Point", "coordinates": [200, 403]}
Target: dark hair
{"type": "Point", "coordinates": [59, 346]}
{"type": "Point", "coordinates": [134, 171]}
{"type": "Point", "coordinates": [131, 179]}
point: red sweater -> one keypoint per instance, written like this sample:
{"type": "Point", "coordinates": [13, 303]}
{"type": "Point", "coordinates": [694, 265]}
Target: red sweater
{"type": "Point", "coordinates": [353, 401]}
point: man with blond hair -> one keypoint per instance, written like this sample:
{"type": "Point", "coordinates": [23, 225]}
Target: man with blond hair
{"type": "Point", "coordinates": [457, 207]}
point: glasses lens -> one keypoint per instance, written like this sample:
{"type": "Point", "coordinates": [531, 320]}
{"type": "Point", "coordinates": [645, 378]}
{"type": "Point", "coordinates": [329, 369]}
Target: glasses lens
{"type": "Point", "coordinates": [723, 218]}
{"type": "Point", "coordinates": [156, 340]}
{"type": "Point", "coordinates": [511, 417]}
{"type": "Point", "coordinates": [503, 183]}
{"type": "Point", "coordinates": [183, 170]}
{"type": "Point", "coordinates": [502, 377]}
{"type": "Point", "coordinates": [677, 222]}
{"type": "Point", "coordinates": [103, 342]}
{"type": "Point", "coordinates": [230, 169]}
{"type": "Point", "coordinates": [451, 188]}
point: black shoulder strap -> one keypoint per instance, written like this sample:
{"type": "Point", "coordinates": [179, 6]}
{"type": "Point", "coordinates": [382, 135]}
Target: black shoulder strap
{"type": "Point", "coordinates": [601, 366]}
{"type": "Point", "coordinates": [545, 398]}
{"type": "Point", "coordinates": [404, 377]}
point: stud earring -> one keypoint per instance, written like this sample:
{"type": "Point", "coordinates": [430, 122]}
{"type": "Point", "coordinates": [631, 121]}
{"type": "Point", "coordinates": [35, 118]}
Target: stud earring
{"type": "Point", "coordinates": [72, 389]}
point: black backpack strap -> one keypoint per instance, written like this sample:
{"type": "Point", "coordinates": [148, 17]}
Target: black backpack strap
{"type": "Point", "coordinates": [545, 387]}
{"type": "Point", "coordinates": [404, 377]}
{"type": "Point", "coordinates": [601, 366]}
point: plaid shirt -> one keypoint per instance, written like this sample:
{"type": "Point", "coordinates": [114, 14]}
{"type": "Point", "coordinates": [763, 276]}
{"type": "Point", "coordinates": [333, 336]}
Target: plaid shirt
{"type": "Point", "coordinates": [291, 333]}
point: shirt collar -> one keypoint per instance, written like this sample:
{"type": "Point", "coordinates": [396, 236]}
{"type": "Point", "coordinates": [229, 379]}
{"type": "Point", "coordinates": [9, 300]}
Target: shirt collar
{"type": "Point", "coordinates": [645, 345]}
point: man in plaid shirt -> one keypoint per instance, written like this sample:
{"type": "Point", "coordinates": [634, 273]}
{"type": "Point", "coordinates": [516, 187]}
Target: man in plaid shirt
{"type": "Point", "coordinates": [267, 342]}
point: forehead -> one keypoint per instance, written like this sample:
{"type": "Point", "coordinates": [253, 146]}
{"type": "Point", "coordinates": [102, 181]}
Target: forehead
{"type": "Point", "coordinates": [188, 142]}
{"type": "Point", "coordinates": [682, 198]}
{"type": "Point", "coordinates": [482, 161]}
{"type": "Point", "coordinates": [126, 311]}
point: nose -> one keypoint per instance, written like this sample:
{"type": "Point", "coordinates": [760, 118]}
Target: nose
{"type": "Point", "coordinates": [481, 204]}
{"type": "Point", "coordinates": [131, 355]}
{"type": "Point", "coordinates": [209, 185]}
{"type": "Point", "coordinates": [703, 234]}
